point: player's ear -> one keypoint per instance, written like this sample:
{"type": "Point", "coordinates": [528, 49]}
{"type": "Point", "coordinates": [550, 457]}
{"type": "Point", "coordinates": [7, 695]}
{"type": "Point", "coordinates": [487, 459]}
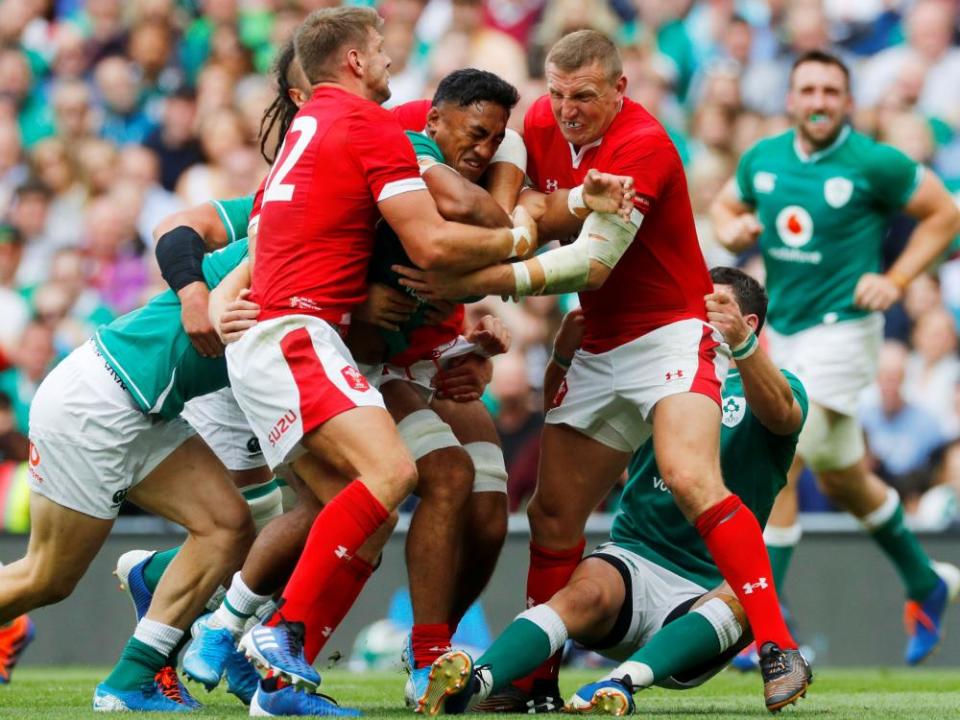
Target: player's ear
{"type": "Point", "coordinates": [356, 62]}
{"type": "Point", "coordinates": [621, 86]}
{"type": "Point", "coordinates": [752, 320]}
{"type": "Point", "coordinates": [433, 117]}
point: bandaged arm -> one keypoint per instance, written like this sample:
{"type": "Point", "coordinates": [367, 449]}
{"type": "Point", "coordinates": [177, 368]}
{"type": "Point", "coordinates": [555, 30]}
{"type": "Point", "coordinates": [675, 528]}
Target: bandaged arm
{"type": "Point", "coordinates": [584, 264]}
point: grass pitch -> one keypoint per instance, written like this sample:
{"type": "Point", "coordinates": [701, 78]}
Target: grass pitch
{"type": "Point", "coordinates": [837, 694]}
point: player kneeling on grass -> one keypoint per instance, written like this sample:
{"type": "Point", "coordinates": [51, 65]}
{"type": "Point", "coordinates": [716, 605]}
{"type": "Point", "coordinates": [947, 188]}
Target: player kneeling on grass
{"type": "Point", "coordinates": [643, 597]}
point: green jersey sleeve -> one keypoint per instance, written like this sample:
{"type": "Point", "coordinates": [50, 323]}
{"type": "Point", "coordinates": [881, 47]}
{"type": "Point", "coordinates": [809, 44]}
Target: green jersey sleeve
{"type": "Point", "coordinates": [427, 151]}
{"type": "Point", "coordinates": [235, 215]}
{"type": "Point", "coordinates": [893, 177]}
{"type": "Point", "coordinates": [799, 394]}
{"type": "Point", "coordinates": [742, 178]}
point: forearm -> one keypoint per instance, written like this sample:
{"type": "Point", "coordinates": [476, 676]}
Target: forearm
{"type": "Point", "coordinates": [552, 378]}
{"type": "Point", "coordinates": [768, 394]}
{"type": "Point", "coordinates": [456, 247]}
{"type": "Point", "coordinates": [557, 222]}
{"type": "Point", "coordinates": [504, 181]}
{"type": "Point", "coordinates": [478, 207]}
{"type": "Point", "coordinates": [928, 241]}
{"type": "Point", "coordinates": [227, 291]}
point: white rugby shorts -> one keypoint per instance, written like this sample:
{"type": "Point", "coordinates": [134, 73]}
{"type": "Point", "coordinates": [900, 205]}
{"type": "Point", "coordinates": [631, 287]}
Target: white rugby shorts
{"type": "Point", "coordinates": [835, 362]}
{"type": "Point", "coordinates": [422, 372]}
{"type": "Point", "coordinates": [218, 419]}
{"type": "Point", "coordinates": [90, 443]}
{"type": "Point", "coordinates": [290, 375]}
{"type": "Point", "coordinates": [610, 396]}
{"type": "Point", "coordinates": [653, 593]}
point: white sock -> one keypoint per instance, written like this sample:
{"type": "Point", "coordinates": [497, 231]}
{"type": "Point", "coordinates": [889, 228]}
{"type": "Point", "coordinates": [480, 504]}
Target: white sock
{"type": "Point", "coordinates": [547, 619]}
{"type": "Point", "coordinates": [162, 638]}
{"type": "Point", "coordinates": [641, 675]}
{"type": "Point", "coordinates": [788, 536]}
{"type": "Point", "coordinates": [239, 604]}
{"type": "Point", "coordinates": [873, 520]}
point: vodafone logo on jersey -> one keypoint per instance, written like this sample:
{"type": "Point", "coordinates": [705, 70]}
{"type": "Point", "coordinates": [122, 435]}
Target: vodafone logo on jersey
{"type": "Point", "coordinates": [794, 226]}
{"type": "Point", "coordinates": [355, 379]}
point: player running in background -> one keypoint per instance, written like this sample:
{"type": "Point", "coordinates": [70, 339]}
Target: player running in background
{"type": "Point", "coordinates": [643, 597]}
{"type": "Point", "coordinates": [818, 200]}
{"type": "Point", "coordinates": [647, 344]}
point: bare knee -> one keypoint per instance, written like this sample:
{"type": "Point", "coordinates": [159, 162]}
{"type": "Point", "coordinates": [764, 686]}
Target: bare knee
{"type": "Point", "coordinates": [693, 491]}
{"type": "Point", "coordinates": [583, 604]}
{"type": "Point", "coordinates": [552, 524]}
{"type": "Point", "coordinates": [228, 525]}
{"type": "Point", "coordinates": [488, 528]}
{"type": "Point", "coordinates": [49, 585]}
{"type": "Point", "coordinates": [446, 477]}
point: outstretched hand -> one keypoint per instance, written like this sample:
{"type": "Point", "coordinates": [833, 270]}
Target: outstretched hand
{"type": "Point", "coordinates": [603, 192]}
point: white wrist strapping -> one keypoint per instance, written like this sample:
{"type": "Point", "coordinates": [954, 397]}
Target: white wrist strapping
{"type": "Point", "coordinates": [521, 278]}
{"type": "Point", "coordinates": [605, 237]}
{"type": "Point", "coordinates": [575, 202]}
{"type": "Point", "coordinates": [511, 150]}
{"type": "Point", "coordinates": [522, 242]}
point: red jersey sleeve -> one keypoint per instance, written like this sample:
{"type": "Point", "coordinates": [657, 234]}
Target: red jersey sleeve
{"type": "Point", "coordinates": [412, 115]}
{"type": "Point", "coordinates": [651, 165]}
{"type": "Point", "coordinates": [384, 154]}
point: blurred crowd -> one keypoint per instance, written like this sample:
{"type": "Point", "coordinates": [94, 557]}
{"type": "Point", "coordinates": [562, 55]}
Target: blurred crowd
{"type": "Point", "coordinates": [115, 113]}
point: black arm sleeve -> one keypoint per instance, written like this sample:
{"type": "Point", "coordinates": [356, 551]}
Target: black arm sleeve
{"type": "Point", "coordinates": [180, 256]}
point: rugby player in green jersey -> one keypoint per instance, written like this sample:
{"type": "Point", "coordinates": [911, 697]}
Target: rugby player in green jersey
{"type": "Point", "coordinates": [817, 201]}
{"type": "Point", "coordinates": [105, 426]}
{"type": "Point", "coordinates": [645, 597]}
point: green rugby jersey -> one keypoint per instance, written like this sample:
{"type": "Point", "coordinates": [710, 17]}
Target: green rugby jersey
{"type": "Point", "coordinates": [824, 218]}
{"type": "Point", "coordinates": [754, 462]}
{"type": "Point", "coordinates": [388, 251]}
{"type": "Point", "coordinates": [148, 347]}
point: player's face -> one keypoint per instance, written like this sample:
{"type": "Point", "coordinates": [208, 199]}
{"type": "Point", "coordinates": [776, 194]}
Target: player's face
{"type": "Point", "coordinates": [819, 102]}
{"type": "Point", "coordinates": [377, 69]}
{"type": "Point", "coordinates": [585, 101]}
{"type": "Point", "coordinates": [468, 136]}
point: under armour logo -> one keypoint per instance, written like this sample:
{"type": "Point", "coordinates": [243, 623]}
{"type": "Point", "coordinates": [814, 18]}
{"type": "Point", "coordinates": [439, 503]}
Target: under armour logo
{"type": "Point", "coordinates": [552, 185]}
{"type": "Point", "coordinates": [748, 588]}
{"type": "Point", "coordinates": [341, 552]}
{"type": "Point", "coordinates": [326, 631]}
{"type": "Point", "coordinates": [677, 374]}
{"type": "Point", "coordinates": [530, 602]}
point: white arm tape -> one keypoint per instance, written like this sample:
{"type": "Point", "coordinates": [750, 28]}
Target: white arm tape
{"type": "Point", "coordinates": [511, 150]}
{"type": "Point", "coordinates": [605, 237]}
{"type": "Point", "coordinates": [608, 236]}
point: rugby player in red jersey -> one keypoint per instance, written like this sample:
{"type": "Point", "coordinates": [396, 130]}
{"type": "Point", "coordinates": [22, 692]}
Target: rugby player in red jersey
{"type": "Point", "coordinates": [649, 360]}
{"type": "Point", "coordinates": [344, 164]}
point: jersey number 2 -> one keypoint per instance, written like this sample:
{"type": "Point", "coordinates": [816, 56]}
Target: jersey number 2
{"type": "Point", "coordinates": [275, 188]}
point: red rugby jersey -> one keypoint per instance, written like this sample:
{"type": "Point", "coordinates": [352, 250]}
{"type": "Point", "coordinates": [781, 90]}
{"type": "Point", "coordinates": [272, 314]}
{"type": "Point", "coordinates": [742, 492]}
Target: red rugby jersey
{"type": "Point", "coordinates": [342, 155]}
{"type": "Point", "coordinates": [662, 277]}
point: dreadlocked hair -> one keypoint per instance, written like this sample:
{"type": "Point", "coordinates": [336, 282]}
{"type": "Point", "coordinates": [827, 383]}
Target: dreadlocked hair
{"type": "Point", "coordinates": [282, 109]}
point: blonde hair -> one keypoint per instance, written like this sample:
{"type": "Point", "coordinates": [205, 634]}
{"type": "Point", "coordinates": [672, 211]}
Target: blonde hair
{"type": "Point", "coordinates": [327, 31]}
{"type": "Point", "coordinates": [584, 47]}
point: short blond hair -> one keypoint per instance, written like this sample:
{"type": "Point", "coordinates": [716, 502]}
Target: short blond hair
{"type": "Point", "coordinates": [584, 47]}
{"type": "Point", "coordinates": [325, 32]}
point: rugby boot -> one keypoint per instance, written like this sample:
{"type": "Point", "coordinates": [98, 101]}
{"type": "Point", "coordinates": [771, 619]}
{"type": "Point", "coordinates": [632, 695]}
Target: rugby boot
{"type": "Point", "coordinates": [786, 676]}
